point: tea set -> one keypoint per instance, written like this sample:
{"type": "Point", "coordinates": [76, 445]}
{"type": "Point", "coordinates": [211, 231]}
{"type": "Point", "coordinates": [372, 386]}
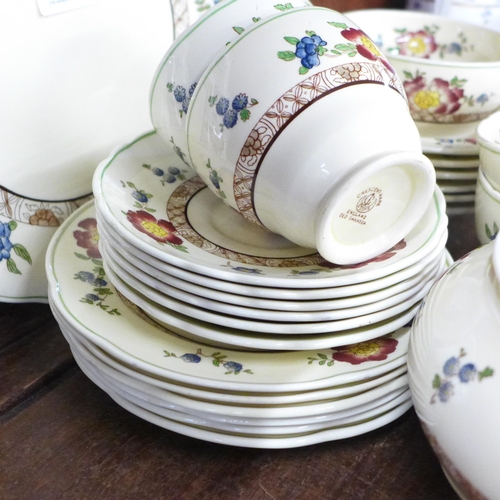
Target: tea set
{"type": "Point", "coordinates": [248, 272]}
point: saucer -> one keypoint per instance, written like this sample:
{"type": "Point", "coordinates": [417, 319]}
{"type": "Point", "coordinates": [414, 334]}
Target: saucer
{"type": "Point", "coordinates": [102, 318]}
{"type": "Point", "coordinates": [202, 235]}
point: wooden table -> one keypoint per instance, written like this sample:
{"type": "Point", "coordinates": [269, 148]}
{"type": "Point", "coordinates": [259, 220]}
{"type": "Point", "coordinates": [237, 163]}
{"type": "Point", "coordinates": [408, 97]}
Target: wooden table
{"type": "Point", "coordinates": [63, 438]}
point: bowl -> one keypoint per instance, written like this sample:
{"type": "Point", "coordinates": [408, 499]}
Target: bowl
{"type": "Point", "coordinates": [450, 69]}
{"type": "Point", "coordinates": [488, 139]}
{"type": "Point", "coordinates": [302, 126]}
{"type": "Point", "coordinates": [183, 64]}
{"type": "Point", "coordinates": [453, 365]}
{"type": "Point", "coordinates": [487, 209]}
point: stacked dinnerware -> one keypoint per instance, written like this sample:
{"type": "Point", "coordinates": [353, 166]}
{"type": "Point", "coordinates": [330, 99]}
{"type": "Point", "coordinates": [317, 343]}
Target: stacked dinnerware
{"type": "Point", "coordinates": [450, 71]}
{"type": "Point", "coordinates": [487, 211]}
{"type": "Point", "coordinates": [180, 303]}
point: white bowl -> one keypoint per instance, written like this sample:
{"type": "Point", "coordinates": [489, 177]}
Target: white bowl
{"type": "Point", "coordinates": [261, 134]}
{"type": "Point", "coordinates": [450, 69]}
{"type": "Point", "coordinates": [487, 211]}
{"type": "Point", "coordinates": [453, 364]}
{"type": "Point", "coordinates": [488, 139]}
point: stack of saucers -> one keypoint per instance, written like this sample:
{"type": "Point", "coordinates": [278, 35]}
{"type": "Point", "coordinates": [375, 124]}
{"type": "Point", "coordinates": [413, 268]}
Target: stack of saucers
{"type": "Point", "coordinates": [197, 320]}
{"type": "Point", "coordinates": [456, 162]}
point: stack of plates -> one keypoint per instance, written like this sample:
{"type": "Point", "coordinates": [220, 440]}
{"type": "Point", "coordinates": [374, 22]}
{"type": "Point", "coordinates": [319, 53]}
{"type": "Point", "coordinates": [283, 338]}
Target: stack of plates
{"type": "Point", "coordinates": [198, 321]}
{"type": "Point", "coordinates": [456, 160]}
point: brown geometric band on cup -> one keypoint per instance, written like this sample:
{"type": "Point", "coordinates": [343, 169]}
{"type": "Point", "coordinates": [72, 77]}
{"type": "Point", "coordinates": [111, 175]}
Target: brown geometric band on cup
{"type": "Point", "coordinates": [285, 109]}
{"type": "Point", "coordinates": [37, 212]}
{"type": "Point", "coordinates": [177, 207]}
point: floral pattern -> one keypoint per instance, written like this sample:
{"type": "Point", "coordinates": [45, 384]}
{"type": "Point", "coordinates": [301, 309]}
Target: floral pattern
{"type": "Point", "coordinates": [44, 217]}
{"type": "Point", "coordinates": [362, 352]}
{"type": "Point", "coordinates": [7, 247]}
{"type": "Point", "coordinates": [215, 179]}
{"type": "Point", "coordinates": [182, 96]}
{"type": "Point", "coordinates": [167, 176]}
{"type": "Point", "coordinates": [88, 239]}
{"type": "Point", "coordinates": [231, 111]}
{"type": "Point", "coordinates": [159, 230]}
{"type": "Point", "coordinates": [454, 370]}
{"type": "Point", "coordinates": [491, 234]}
{"type": "Point", "coordinates": [242, 269]}
{"type": "Point", "coordinates": [140, 196]}
{"type": "Point", "coordinates": [218, 359]}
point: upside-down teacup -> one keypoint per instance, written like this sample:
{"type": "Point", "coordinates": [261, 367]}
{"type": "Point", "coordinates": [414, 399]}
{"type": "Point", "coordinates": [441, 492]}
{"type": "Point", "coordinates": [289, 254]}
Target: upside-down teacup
{"type": "Point", "coordinates": [302, 126]}
{"type": "Point", "coordinates": [488, 139]}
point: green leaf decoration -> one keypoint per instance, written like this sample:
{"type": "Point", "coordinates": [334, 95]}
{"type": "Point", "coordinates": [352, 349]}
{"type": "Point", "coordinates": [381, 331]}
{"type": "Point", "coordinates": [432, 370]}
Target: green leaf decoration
{"type": "Point", "coordinates": [81, 256]}
{"type": "Point", "coordinates": [487, 372]}
{"type": "Point", "coordinates": [244, 114]}
{"type": "Point", "coordinates": [256, 19]}
{"type": "Point", "coordinates": [292, 40]}
{"type": "Point", "coordinates": [248, 371]}
{"type": "Point", "coordinates": [341, 26]}
{"type": "Point", "coordinates": [436, 382]}
{"type": "Point", "coordinates": [286, 55]}
{"type": "Point", "coordinates": [343, 47]}
{"type": "Point", "coordinates": [253, 102]}
{"type": "Point", "coordinates": [322, 356]}
{"type": "Point", "coordinates": [170, 87]}
{"type": "Point", "coordinates": [303, 70]}
{"type": "Point", "coordinates": [336, 52]}
{"type": "Point", "coordinates": [321, 50]}
{"type": "Point", "coordinates": [238, 29]}
{"type": "Point", "coordinates": [408, 75]}
{"type": "Point", "coordinates": [11, 266]}
{"type": "Point", "coordinates": [212, 100]}
{"type": "Point", "coordinates": [98, 262]}
{"type": "Point", "coordinates": [310, 33]}
{"type": "Point", "coordinates": [22, 252]}
{"type": "Point", "coordinates": [352, 54]}
{"type": "Point", "coordinates": [321, 363]}
{"type": "Point", "coordinates": [495, 227]}
{"type": "Point", "coordinates": [216, 362]}
{"type": "Point", "coordinates": [488, 232]}
{"type": "Point", "coordinates": [12, 225]}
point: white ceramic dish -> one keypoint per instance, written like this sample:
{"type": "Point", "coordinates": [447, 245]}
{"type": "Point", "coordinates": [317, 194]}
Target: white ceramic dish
{"type": "Point", "coordinates": [180, 69]}
{"type": "Point", "coordinates": [139, 344]}
{"type": "Point", "coordinates": [397, 279]}
{"type": "Point", "coordinates": [487, 212]}
{"type": "Point", "coordinates": [488, 137]}
{"type": "Point", "coordinates": [453, 366]}
{"type": "Point", "coordinates": [457, 186]}
{"type": "Point", "coordinates": [456, 174]}
{"type": "Point", "coordinates": [242, 252]}
{"type": "Point", "coordinates": [171, 298]}
{"type": "Point", "coordinates": [248, 399]}
{"type": "Point", "coordinates": [163, 282]}
{"type": "Point", "coordinates": [448, 161]}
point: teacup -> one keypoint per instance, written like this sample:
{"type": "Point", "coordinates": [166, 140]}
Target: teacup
{"type": "Point", "coordinates": [487, 209]}
{"type": "Point", "coordinates": [182, 66]}
{"type": "Point", "coordinates": [302, 126]}
{"type": "Point", "coordinates": [488, 139]}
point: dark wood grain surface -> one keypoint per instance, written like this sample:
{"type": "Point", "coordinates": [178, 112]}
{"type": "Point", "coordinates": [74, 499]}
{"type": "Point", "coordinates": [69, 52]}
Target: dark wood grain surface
{"type": "Point", "coordinates": [63, 438]}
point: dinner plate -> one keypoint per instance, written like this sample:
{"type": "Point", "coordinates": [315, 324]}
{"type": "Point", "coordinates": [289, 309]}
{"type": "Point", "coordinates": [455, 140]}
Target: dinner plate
{"type": "Point", "coordinates": [153, 277]}
{"type": "Point", "coordinates": [80, 293]}
{"type": "Point", "coordinates": [201, 234]}
{"type": "Point", "coordinates": [443, 161]}
{"type": "Point", "coordinates": [172, 298]}
{"type": "Point", "coordinates": [457, 187]}
{"type": "Point", "coordinates": [136, 256]}
{"type": "Point", "coordinates": [456, 174]}
{"type": "Point", "coordinates": [448, 139]}
{"type": "Point", "coordinates": [87, 349]}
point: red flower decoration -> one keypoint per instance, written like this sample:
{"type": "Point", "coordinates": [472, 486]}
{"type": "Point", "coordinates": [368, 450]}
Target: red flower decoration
{"type": "Point", "coordinates": [160, 230]}
{"type": "Point", "coordinates": [417, 44]}
{"type": "Point", "coordinates": [438, 97]}
{"type": "Point", "coordinates": [372, 350]}
{"type": "Point", "coordinates": [365, 46]}
{"type": "Point", "coordinates": [89, 238]}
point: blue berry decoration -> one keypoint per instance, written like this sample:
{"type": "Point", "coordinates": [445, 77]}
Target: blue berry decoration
{"type": "Point", "coordinates": [182, 96]}
{"type": "Point", "coordinates": [140, 196]}
{"type": "Point", "coordinates": [179, 93]}
{"type": "Point", "coordinates": [231, 111]}
{"type": "Point", "coordinates": [157, 171]}
{"type": "Point", "coordinates": [7, 248]}
{"type": "Point", "coordinates": [453, 369]}
{"type": "Point", "coordinates": [308, 49]}
{"type": "Point", "coordinates": [191, 358]}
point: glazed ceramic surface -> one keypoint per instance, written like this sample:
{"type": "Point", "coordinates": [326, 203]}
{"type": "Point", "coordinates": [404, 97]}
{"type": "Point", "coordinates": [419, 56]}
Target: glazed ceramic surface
{"type": "Point", "coordinates": [487, 212]}
{"type": "Point", "coordinates": [181, 67]}
{"type": "Point", "coordinates": [450, 69]}
{"type": "Point", "coordinates": [454, 162]}
{"type": "Point", "coordinates": [397, 281]}
{"type": "Point", "coordinates": [456, 174]}
{"type": "Point", "coordinates": [455, 144]}
{"type": "Point", "coordinates": [244, 134]}
{"type": "Point", "coordinates": [488, 137]}
{"type": "Point", "coordinates": [453, 367]}
{"type": "Point", "coordinates": [91, 307]}
{"type": "Point", "coordinates": [134, 186]}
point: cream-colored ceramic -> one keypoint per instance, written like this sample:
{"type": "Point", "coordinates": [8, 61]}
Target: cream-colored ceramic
{"type": "Point", "coordinates": [183, 64]}
{"type": "Point", "coordinates": [459, 174]}
{"type": "Point", "coordinates": [181, 223]}
{"type": "Point", "coordinates": [488, 138]}
{"type": "Point", "coordinates": [396, 281]}
{"type": "Point", "coordinates": [457, 186]}
{"type": "Point", "coordinates": [102, 318]}
{"type": "Point", "coordinates": [172, 286]}
{"type": "Point", "coordinates": [455, 145]}
{"type": "Point", "coordinates": [247, 139]}
{"type": "Point", "coordinates": [487, 211]}
{"type": "Point", "coordinates": [454, 162]}
{"type": "Point", "coordinates": [453, 365]}
{"type": "Point", "coordinates": [450, 69]}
